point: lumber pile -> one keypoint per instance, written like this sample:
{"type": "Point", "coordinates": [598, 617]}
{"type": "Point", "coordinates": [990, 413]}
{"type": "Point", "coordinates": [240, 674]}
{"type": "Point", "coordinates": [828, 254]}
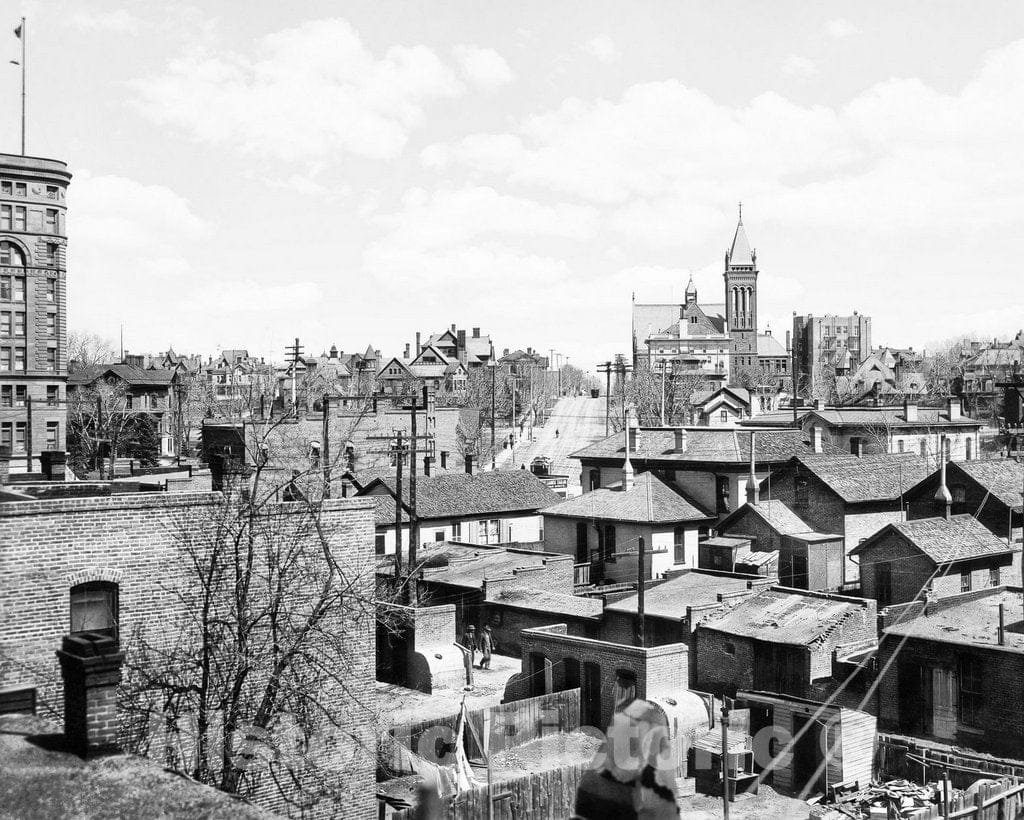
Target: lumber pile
{"type": "Point", "coordinates": [896, 799]}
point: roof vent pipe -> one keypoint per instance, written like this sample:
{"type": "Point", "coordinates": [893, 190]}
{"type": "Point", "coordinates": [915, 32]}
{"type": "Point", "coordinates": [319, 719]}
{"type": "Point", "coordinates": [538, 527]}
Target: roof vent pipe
{"type": "Point", "coordinates": [942, 495]}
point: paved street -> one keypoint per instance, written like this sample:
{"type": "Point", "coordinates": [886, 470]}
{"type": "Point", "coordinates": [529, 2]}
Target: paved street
{"type": "Point", "coordinates": [579, 422]}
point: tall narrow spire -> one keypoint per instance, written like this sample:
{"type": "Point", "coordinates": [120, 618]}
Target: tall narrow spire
{"type": "Point", "coordinates": [740, 253]}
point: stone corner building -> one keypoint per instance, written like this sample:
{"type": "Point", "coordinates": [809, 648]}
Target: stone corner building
{"type": "Point", "coordinates": [33, 307]}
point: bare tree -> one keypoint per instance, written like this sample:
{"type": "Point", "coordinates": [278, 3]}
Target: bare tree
{"type": "Point", "coordinates": [260, 666]}
{"type": "Point", "coordinates": [99, 415]}
{"type": "Point", "coordinates": [86, 349]}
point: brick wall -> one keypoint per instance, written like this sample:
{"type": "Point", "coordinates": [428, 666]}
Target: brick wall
{"type": "Point", "coordinates": [1001, 725]}
{"type": "Point", "coordinates": [135, 541]}
{"type": "Point", "coordinates": [661, 670]}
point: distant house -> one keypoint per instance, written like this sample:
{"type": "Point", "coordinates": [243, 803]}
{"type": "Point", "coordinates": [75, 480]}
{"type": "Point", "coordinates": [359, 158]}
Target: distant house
{"type": "Point", "coordinates": [601, 529]}
{"type": "Point", "coordinates": [144, 391]}
{"type": "Point", "coordinates": [955, 670]}
{"type": "Point", "coordinates": [928, 432]}
{"type": "Point", "coordinates": [486, 508]}
{"type": "Point", "coordinates": [989, 490]}
{"type": "Point", "coordinates": [711, 466]}
{"type": "Point", "coordinates": [945, 555]}
{"type": "Point", "coordinates": [725, 407]}
{"type": "Point", "coordinates": [807, 559]}
{"type": "Point", "coordinates": [473, 350]}
{"type": "Point", "coordinates": [845, 495]}
{"type": "Point", "coordinates": [781, 640]}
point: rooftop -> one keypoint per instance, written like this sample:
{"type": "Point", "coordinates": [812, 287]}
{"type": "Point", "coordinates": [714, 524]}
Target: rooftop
{"type": "Point", "coordinates": [669, 599]}
{"type": "Point", "coordinates": [893, 416]}
{"type": "Point", "coordinates": [944, 540]}
{"type": "Point", "coordinates": [650, 501]}
{"type": "Point", "coordinates": [775, 514]}
{"type": "Point", "coordinates": [551, 603]}
{"type": "Point", "coordinates": [464, 565]}
{"type": "Point", "coordinates": [456, 495]}
{"type": "Point", "coordinates": [39, 779]}
{"type": "Point", "coordinates": [969, 619]}
{"type": "Point", "coordinates": [126, 372]}
{"type": "Point", "coordinates": [1003, 478]}
{"type": "Point", "coordinates": [704, 444]}
{"type": "Point", "coordinates": [789, 616]}
{"type": "Point", "coordinates": [855, 479]}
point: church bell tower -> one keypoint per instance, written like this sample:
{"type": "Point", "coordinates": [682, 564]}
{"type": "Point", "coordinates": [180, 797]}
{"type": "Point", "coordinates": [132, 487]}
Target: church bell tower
{"type": "Point", "coordinates": [741, 298]}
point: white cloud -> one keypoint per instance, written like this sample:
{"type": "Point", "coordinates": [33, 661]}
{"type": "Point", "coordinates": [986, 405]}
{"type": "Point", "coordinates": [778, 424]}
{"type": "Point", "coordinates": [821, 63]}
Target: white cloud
{"type": "Point", "coordinates": [483, 67]}
{"type": "Point", "coordinates": [602, 47]}
{"type": "Point", "coordinates": [840, 28]}
{"type": "Point", "coordinates": [450, 217]}
{"type": "Point", "coordinates": [118, 21]}
{"type": "Point", "coordinates": [796, 66]}
{"type": "Point", "coordinates": [307, 92]}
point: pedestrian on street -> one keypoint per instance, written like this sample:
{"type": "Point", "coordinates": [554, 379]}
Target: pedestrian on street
{"type": "Point", "coordinates": [486, 646]}
{"type": "Point", "coordinates": [469, 641]}
{"type": "Point", "coordinates": [556, 432]}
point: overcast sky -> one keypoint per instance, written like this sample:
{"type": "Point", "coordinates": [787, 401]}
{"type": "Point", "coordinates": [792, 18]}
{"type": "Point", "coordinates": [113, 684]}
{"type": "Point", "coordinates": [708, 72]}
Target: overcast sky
{"type": "Point", "coordinates": [351, 172]}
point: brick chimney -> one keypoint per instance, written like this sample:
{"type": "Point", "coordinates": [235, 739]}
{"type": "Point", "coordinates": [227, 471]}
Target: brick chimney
{"type": "Point", "coordinates": [476, 333]}
{"type": "Point", "coordinates": [427, 460]}
{"type": "Point", "coordinates": [91, 667]}
{"type": "Point", "coordinates": [680, 439]}
{"type": "Point", "coordinates": [5, 464]}
{"type": "Point", "coordinates": [753, 490]}
{"type": "Point", "coordinates": [909, 410]}
{"type": "Point", "coordinates": [406, 354]}
{"type": "Point", "coordinates": [418, 343]}
{"type": "Point", "coordinates": [628, 477]}
{"type": "Point", "coordinates": [469, 463]}
{"type": "Point", "coordinates": [955, 408]}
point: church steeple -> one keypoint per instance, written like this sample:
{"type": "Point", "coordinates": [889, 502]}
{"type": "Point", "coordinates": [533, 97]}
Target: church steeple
{"type": "Point", "coordinates": [741, 282]}
{"type": "Point", "coordinates": [691, 292]}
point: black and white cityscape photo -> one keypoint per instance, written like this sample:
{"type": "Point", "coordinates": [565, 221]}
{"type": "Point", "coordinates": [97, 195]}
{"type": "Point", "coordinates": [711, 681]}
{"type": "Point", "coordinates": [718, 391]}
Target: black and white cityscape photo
{"type": "Point", "coordinates": [526, 410]}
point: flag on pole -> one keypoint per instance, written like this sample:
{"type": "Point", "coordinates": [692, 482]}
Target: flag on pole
{"type": "Point", "coordinates": [17, 32]}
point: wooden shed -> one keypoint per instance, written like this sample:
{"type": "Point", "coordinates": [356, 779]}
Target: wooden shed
{"type": "Point", "coordinates": [842, 739]}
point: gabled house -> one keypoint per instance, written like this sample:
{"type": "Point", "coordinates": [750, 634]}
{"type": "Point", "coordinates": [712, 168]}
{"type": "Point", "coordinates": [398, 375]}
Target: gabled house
{"type": "Point", "coordinates": [486, 508]}
{"type": "Point", "coordinates": [845, 495]}
{"type": "Point", "coordinates": [602, 530]}
{"type": "Point", "coordinates": [781, 640]}
{"type": "Point", "coordinates": [807, 559]}
{"type": "Point", "coordinates": [990, 490]}
{"type": "Point", "coordinates": [955, 667]}
{"type": "Point", "coordinates": [472, 351]}
{"type": "Point", "coordinates": [710, 465]}
{"type": "Point", "coordinates": [945, 555]}
{"type": "Point", "coordinates": [394, 377]}
{"type": "Point", "coordinates": [725, 407]}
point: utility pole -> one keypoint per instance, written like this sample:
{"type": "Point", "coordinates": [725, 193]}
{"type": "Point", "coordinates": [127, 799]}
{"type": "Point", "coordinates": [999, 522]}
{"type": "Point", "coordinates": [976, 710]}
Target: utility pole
{"type": "Point", "coordinates": [325, 451]}
{"type": "Point", "coordinates": [606, 368]}
{"type": "Point", "coordinates": [795, 380]}
{"type": "Point", "coordinates": [725, 759]}
{"type": "Point", "coordinates": [399, 451]}
{"type": "Point", "coordinates": [295, 352]}
{"type": "Point", "coordinates": [28, 432]}
{"type": "Point", "coordinates": [414, 521]}
{"type": "Point", "coordinates": [640, 577]}
{"type": "Point", "coordinates": [663, 364]}
{"type": "Point", "coordinates": [493, 367]}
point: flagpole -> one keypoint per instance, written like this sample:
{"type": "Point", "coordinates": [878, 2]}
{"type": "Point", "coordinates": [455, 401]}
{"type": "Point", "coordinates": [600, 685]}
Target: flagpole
{"type": "Point", "coordinates": [23, 38]}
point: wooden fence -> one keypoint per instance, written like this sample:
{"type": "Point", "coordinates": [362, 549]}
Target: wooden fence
{"type": "Point", "coordinates": [921, 761]}
{"type": "Point", "coordinates": [549, 795]}
{"type": "Point", "coordinates": [1003, 800]}
{"type": "Point", "coordinates": [512, 724]}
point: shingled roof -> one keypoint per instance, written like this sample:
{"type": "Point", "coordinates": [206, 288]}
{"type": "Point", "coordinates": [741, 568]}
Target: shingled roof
{"type": "Point", "coordinates": [134, 376]}
{"type": "Point", "coordinates": [789, 616]}
{"type": "Point", "coordinates": [890, 417]}
{"type": "Point", "coordinates": [650, 501]}
{"type": "Point", "coordinates": [957, 538]}
{"type": "Point", "coordinates": [774, 513]}
{"type": "Point", "coordinates": [1004, 478]}
{"type": "Point", "coordinates": [670, 599]}
{"type": "Point", "coordinates": [867, 478]}
{"type": "Point", "coordinates": [457, 495]}
{"type": "Point", "coordinates": [705, 444]}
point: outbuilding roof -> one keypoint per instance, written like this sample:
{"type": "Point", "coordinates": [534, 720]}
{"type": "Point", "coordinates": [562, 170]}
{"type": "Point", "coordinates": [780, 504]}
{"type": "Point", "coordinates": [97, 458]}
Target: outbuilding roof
{"type": "Point", "coordinates": [944, 540]}
{"type": "Point", "coordinates": [971, 619]}
{"type": "Point", "coordinates": [1004, 478]}
{"type": "Point", "coordinates": [650, 501]}
{"type": "Point", "coordinates": [788, 616]}
{"type": "Point", "coordinates": [774, 513]}
{"type": "Point", "coordinates": [670, 599]}
{"type": "Point", "coordinates": [467, 566]}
